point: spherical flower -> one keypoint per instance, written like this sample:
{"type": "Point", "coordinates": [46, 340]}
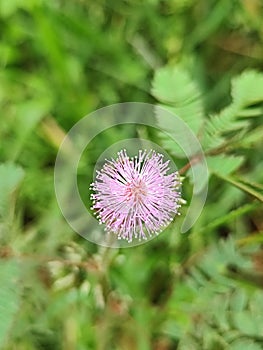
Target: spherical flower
{"type": "Point", "coordinates": [136, 197]}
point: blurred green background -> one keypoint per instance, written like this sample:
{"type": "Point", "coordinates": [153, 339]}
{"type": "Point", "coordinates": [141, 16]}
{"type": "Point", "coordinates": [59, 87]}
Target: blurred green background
{"type": "Point", "coordinates": [61, 60]}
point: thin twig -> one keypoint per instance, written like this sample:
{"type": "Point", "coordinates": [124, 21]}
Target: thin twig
{"type": "Point", "coordinates": [186, 167]}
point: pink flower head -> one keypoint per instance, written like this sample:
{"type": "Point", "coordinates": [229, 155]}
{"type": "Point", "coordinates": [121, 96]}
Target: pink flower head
{"type": "Point", "coordinates": [135, 197]}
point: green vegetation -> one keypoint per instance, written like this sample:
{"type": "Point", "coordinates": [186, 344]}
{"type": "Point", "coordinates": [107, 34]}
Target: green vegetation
{"type": "Point", "coordinates": [60, 60]}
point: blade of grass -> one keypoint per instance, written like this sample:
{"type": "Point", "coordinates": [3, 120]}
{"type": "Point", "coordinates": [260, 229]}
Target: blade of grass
{"type": "Point", "coordinates": [241, 186]}
{"type": "Point", "coordinates": [256, 237]}
{"type": "Point", "coordinates": [251, 183]}
{"type": "Point", "coordinates": [229, 217]}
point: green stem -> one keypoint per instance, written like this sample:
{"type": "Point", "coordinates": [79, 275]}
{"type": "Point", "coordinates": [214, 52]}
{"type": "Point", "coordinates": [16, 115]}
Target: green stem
{"type": "Point", "coordinates": [229, 217]}
{"type": "Point", "coordinates": [241, 186]}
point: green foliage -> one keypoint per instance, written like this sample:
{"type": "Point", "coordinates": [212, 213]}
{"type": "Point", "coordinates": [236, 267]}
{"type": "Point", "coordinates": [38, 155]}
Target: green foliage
{"type": "Point", "coordinates": [61, 60]}
{"type": "Point", "coordinates": [220, 133]}
{"type": "Point", "coordinates": [181, 96]}
{"type": "Point", "coordinates": [234, 308]}
{"type": "Point", "coordinates": [224, 164]}
{"type": "Point", "coordinates": [174, 87]}
{"type": "Point", "coordinates": [247, 90]}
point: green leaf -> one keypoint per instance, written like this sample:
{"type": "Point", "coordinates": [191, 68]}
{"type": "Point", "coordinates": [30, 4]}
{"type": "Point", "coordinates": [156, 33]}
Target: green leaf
{"type": "Point", "coordinates": [238, 300]}
{"type": "Point", "coordinates": [9, 296]}
{"type": "Point", "coordinates": [181, 140]}
{"type": "Point", "coordinates": [251, 138]}
{"type": "Point", "coordinates": [243, 344]}
{"type": "Point", "coordinates": [174, 87]}
{"type": "Point", "coordinates": [191, 114]}
{"type": "Point", "coordinates": [220, 124]}
{"type": "Point", "coordinates": [224, 164]}
{"type": "Point", "coordinates": [10, 177]}
{"type": "Point", "coordinates": [251, 112]}
{"type": "Point", "coordinates": [170, 145]}
{"type": "Point", "coordinates": [247, 88]}
{"type": "Point", "coordinates": [246, 323]}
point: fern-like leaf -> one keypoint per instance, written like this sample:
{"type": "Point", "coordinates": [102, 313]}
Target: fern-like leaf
{"type": "Point", "coordinates": [224, 164]}
{"type": "Point", "coordinates": [246, 90]}
{"type": "Point", "coordinates": [174, 88]}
